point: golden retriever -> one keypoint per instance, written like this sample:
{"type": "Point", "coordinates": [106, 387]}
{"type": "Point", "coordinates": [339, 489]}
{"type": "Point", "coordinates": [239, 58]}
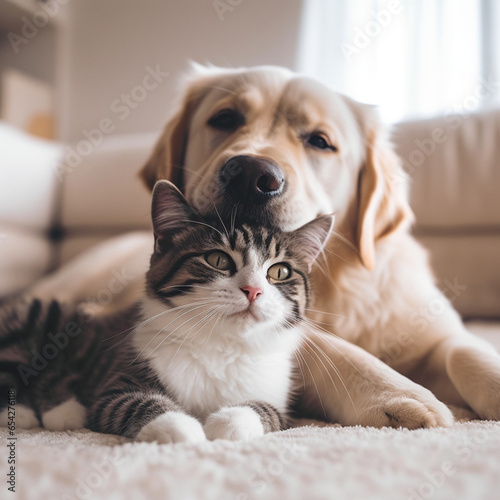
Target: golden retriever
{"type": "Point", "coordinates": [283, 148]}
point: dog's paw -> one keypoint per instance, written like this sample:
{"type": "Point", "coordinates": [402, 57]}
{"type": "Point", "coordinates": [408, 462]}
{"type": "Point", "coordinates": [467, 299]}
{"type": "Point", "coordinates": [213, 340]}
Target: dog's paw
{"type": "Point", "coordinates": [172, 427]}
{"type": "Point", "coordinates": [236, 423]}
{"type": "Point", "coordinates": [412, 413]}
{"type": "Point", "coordinates": [417, 410]}
{"type": "Point", "coordinates": [476, 375]}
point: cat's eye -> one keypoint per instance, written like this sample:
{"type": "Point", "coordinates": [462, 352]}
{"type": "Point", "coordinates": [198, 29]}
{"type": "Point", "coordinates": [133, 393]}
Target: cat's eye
{"type": "Point", "coordinates": [227, 120]}
{"type": "Point", "coordinates": [279, 272]}
{"type": "Point", "coordinates": [219, 260]}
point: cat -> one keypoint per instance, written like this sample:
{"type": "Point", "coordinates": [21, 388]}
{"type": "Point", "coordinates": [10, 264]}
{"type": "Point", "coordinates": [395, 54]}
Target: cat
{"type": "Point", "coordinates": [207, 353]}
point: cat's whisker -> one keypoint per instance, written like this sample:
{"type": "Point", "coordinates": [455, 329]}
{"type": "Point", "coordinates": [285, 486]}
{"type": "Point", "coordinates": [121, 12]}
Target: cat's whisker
{"type": "Point", "coordinates": [331, 252]}
{"type": "Point", "coordinates": [220, 218]}
{"type": "Point", "coordinates": [170, 334]}
{"type": "Point", "coordinates": [344, 240]}
{"type": "Point", "coordinates": [278, 328]}
{"type": "Point", "coordinates": [217, 319]}
{"type": "Point", "coordinates": [314, 383]}
{"type": "Point", "coordinates": [324, 312]}
{"type": "Point", "coordinates": [306, 339]}
{"type": "Point", "coordinates": [324, 368]}
{"type": "Point", "coordinates": [188, 287]}
{"type": "Point", "coordinates": [323, 262]}
{"type": "Point", "coordinates": [202, 224]}
{"type": "Point", "coordinates": [313, 324]}
{"type": "Point", "coordinates": [205, 318]}
{"type": "Point", "coordinates": [299, 366]}
{"type": "Point", "coordinates": [164, 328]}
{"type": "Point", "coordinates": [316, 349]}
{"type": "Point", "coordinates": [316, 325]}
{"type": "Point", "coordinates": [144, 323]}
{"type": "Point", "coordinates": [314, 328]}
{"type": "Point", "coordinates": [234, 211]}
{"type": "Point", "coordinates": [316, 322]}
{"type": "Point", "coordinates": [162, 313]}
{"type": "Point", "coordinates": [192, 170]}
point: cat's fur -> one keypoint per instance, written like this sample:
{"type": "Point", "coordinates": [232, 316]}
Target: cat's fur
{"type": "Point", "coordinates": [207, 353]}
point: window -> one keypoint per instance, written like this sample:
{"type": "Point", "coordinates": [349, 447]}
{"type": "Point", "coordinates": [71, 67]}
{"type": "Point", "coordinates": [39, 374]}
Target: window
{"type": "Point", "coordinates": [413, 58]}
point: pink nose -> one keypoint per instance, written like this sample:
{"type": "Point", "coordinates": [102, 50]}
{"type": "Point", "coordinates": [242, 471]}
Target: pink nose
{"type": "Point", "coordinates": [252, 292]}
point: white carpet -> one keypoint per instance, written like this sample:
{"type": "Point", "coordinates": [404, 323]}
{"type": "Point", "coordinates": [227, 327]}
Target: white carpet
{"type": "Point", "coordinates": [310, 463]}
{"type": "Point", "coordinates": [305, 463]}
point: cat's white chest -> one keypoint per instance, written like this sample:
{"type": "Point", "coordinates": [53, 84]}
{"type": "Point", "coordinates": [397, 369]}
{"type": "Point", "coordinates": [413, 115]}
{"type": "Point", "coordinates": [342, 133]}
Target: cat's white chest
{"type": "Point", "coordinates": [204, 375]}
{"type": "Point", "coordinates": [217, 365]}
{"type": "Point", "coordinates": [203, 381]}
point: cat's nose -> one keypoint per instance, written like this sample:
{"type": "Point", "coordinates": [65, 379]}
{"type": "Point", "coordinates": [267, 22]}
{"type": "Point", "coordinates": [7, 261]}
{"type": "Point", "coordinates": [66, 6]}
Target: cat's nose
{"type": "Point", "coordinates": [252, 292]}
{"type": "Point", "coordinates": [251, 179]}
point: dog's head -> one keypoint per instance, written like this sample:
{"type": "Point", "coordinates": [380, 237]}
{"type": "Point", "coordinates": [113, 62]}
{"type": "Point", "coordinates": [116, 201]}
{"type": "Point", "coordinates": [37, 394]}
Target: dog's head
{"type": "Point", "coordinates": [267, 145]}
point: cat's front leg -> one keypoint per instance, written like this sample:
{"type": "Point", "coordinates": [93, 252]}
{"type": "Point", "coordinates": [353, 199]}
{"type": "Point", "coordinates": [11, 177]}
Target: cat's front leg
{"type": "Point", "coordinates": [244, 421]}
{"type": "Point", "coordinates": [144, 417]}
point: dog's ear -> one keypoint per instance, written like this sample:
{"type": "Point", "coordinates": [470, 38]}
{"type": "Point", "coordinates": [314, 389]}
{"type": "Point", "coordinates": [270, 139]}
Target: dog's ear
{"type": "Point", "coordinates": [167, 159]}
{"type": "Point", "coordinates": [383, 207]}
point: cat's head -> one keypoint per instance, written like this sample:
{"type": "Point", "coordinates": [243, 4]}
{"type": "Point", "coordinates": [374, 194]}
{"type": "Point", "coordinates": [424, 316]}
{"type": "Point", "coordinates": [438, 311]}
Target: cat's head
{"type": "Point", "coordinates": [243, 276]}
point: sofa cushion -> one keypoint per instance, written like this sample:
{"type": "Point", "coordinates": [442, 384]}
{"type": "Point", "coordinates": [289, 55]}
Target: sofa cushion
{"type": "Point", "coordinates": [454, 166]}
{"type": "Point", "coordinates": [24, 257]}
{"type": "Point", "coordinates": [103, 192]}
{"type": "Point", "coordinates": [29, 190]}
{"type": "Point", "coordinates": [465, 269]}
{"type": "Point", "coordinates": [29, 180]}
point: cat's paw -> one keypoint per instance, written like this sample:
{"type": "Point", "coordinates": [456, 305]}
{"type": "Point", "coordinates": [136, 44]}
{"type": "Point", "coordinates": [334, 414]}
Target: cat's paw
{"type": "Point", "coordinates": [24, 417]}
{"type": "Point", "coordinates": [417, 410]}
{"type": "Point", "coordinates": [239, 423]}
{"type": "Point", "coordinates": [67, 416]}
{"type": "Point", "coordinates": [172, 427]}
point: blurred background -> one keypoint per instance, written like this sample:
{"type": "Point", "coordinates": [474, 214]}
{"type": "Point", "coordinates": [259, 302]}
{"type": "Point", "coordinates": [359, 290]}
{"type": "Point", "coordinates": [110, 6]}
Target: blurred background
{"type": "Point", "coordinates": [86, 86]}
{"type": "Point", "coordinates": [64, 63]}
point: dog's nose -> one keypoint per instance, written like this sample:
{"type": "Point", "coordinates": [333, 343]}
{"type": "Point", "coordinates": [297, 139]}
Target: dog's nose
{"type": "Point", "coordinates": [245, 176]}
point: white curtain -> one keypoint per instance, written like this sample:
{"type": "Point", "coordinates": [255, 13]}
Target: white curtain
{"type": "Point", "coordinates": [413, 58]}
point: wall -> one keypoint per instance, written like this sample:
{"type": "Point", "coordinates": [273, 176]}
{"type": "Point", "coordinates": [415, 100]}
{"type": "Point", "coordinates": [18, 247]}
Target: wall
{"type": "Point", "coordinates": [112, 42]}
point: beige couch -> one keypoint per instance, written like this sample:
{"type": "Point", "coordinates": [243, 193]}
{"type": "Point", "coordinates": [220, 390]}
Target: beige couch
{"type": "Point", "coordinates": [56, 201]}
{"type": "Point", "coordinates": [51, 209]}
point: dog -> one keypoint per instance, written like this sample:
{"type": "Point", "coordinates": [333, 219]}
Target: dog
{"type": "Point", "coordinates": [270, 146]}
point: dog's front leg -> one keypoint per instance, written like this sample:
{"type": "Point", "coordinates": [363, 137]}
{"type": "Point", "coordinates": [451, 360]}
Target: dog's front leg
{"type": "Point", "coordinates": [109, 275]}
{"type": "Point", "coordinates": [345, 384]}
{"type": "Point", "coordinates": [472, 367]}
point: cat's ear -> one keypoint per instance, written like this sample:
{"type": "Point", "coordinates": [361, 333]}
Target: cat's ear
{"type": "Point", "coordinates": [169, 212]}
{"type": "Point", "coordinates": [311, 238]}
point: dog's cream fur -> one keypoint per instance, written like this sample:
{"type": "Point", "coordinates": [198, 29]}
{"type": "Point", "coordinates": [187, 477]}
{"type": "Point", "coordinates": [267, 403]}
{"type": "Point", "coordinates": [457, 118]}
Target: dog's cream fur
{"type": "Point", "coordinates": [374, 278]}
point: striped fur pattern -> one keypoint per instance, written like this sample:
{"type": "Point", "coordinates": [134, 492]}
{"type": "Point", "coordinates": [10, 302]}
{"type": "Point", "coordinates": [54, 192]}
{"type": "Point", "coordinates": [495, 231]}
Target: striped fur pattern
{"type": "Point", "coordinates": [206, 353]}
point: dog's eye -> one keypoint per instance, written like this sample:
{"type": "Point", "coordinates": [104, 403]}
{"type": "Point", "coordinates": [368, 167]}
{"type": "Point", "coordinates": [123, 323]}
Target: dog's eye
{"type": "Point", "coordinates": [319, 141]}
{"type": "Point", "coordinates": [226, 120]}
{"type": "Point", "coordinates": [219, 260]}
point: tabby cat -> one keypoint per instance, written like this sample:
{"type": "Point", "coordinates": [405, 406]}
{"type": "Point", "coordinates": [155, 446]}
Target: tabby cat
{"type": "Point", "coordinates": [206, 353]}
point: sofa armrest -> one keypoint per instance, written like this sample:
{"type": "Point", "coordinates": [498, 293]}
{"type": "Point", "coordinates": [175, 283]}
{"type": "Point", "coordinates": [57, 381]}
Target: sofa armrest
{"type": "Point", "coordinates": [29, 192]}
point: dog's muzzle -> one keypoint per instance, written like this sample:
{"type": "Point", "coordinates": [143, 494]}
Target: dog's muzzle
{"type": "Point", "coordinates": [251, 189]}
{"type": "Point", "coordinates": [251, 180]}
